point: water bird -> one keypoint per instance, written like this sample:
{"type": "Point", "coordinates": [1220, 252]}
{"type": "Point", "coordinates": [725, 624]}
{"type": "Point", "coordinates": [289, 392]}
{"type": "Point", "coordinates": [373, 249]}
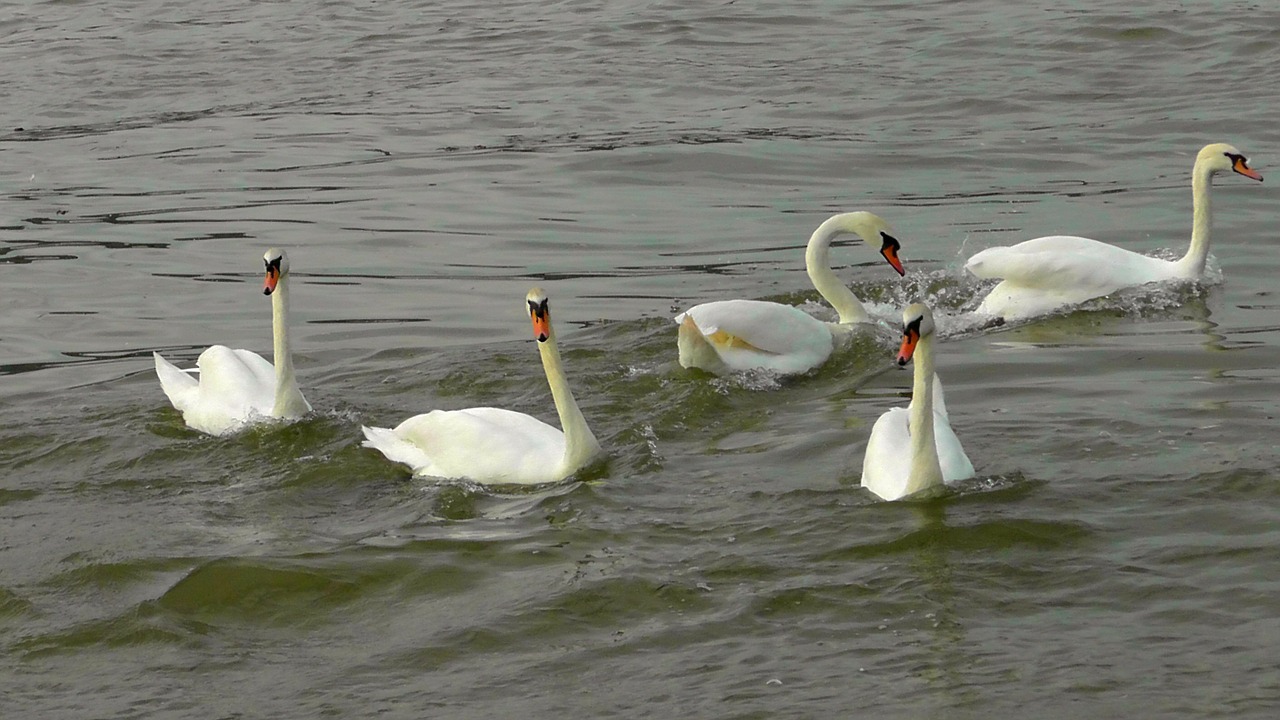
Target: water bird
{"type": "Point", "coordinates": [1045, 274]}
{"type": "Point", "coordinates": [733, 335]}
{"type": "Point", "coordinates": [914, 448]}
{"type": "Point", "coordinates": [239, 387]}
{"type": "Point", "coordinates": [493, 445]}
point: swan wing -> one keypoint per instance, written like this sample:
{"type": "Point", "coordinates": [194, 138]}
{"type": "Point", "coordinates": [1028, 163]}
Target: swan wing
{"type": "Point", "coordinates": [1041, 275]}
{"type": "Point", "coordinates": [485, 445]}
{"type": "Point", "coordinates": [939, 398]}
{"type": "Point", "coordinates": [886, 464]}
{"type": "Point", "coordinates": [1065, 262]}
{"type": "Point", "coordinates": [239, 379]}
{"type": "Point", "coordinates": [951, 456]}
{"type": "Point", "coordinates": [754, 334]}
{"type": "Point", "coordinates": [234, 387]}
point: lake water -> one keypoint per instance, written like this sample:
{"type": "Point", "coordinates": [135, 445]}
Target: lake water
{"type": "Point", "coordinates": [426, 164]}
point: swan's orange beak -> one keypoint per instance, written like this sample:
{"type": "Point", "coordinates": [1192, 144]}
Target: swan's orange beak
{"type": "Point", "coordinates": [890, 252]}
{"type": "Point", "coordinates": [541, 324]}
{"type": "Point", "coordinates": [1242, 166]}
{"type": "Point", "coordinates": [273, 277]}
{"type": "Point", "coordinates": [910, 337]}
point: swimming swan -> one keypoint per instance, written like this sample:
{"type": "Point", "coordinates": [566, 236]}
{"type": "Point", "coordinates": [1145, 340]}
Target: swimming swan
{"type": "Point", "coordinates": [914, 449]}
{"type": "Point", "coordinates": [238, 386]}
{"type": "Point", "coordinates": [492, 445]}
{"type": "Point", "coordinates": [1042, 275]}
{"type": "Point", "coordinates": [729, 335]}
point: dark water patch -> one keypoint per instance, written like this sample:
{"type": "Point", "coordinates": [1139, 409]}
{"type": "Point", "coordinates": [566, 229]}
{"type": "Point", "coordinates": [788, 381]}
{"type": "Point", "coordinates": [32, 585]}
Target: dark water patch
{"type": "Point", "coordinates": [8, 496]}
{"type": "Point", "coordinates": [134, 629]}
{"type": "Point", "coordinates": [986, 536]}
{"type": "Point", "coordinates": [807, 602]}
{"type": "Point", "coordinates": [110, 576]}
{"type": "Point", "coordinates": [1237, 482]}
{"type": "Point", "coordinates": [609, 607]}
{"type": "Point", "coordinates": [31, 133]}
{"type": "Point", "coordinates": [612, 603]}
{"type": "Point", "coordinates": [28, 259]}
{"type": "Point", "coordinates": [82, 357]}
{"type": "Point", "coordinates": [277, 592]}
{"type": "Point", "coordinates": [13, 605]}
{"type": "Point", "coordinates": [23, 452]}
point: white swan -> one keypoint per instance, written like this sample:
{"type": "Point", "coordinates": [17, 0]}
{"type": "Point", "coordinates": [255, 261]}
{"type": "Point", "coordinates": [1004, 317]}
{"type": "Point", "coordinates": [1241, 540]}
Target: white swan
{"type": "Point", "coordinates": [238, 386]}
{"type": "Point", "coordinates": [492, 445]}
{"type": "Point", "coordinates": [1042, 275]}
{"type": "Point", "coordinates": [730, 335]}
{"type": "Point", "coordinates": [914, 449]}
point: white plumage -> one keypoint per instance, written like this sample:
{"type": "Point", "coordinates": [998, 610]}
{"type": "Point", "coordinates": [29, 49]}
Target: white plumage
{"type": "Point", "coordinates": [914, 449]}
{"type": "Point", "coordinates": [1043, 275]}
{"type": "Point", "coordinates": [493, 445]}
{"type": "Point", "coordinates": [732, 335]}
{"type": "Point", "coordinates": [238, 387]}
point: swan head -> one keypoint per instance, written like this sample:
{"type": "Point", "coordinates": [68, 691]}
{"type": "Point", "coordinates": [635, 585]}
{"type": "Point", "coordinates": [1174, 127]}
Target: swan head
{"type": "Point", "coordinates": [874, 230]}
{"type": "Point", "coordinates": [540, 314]}
{"type": "Point", "coordinates": [889, 248]}
{"type": "Point", "coordinates": [1221, 157]}
{"type": "Point", "coordinates": [277, 267]}
{"type": "Point", "coordinates": [917, 322]}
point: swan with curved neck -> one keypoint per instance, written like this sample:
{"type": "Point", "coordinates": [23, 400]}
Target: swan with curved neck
{"type": "Point", "coordinates": [493, 445]}
{"type": "Point", "coordinates": [915, 449]}
{"type": "Point", "coordinates": [1045, 274]}
{"type": "Point", "coordinates": [238, 387]}
{"type": "Point", "coordinates": [731, 335]}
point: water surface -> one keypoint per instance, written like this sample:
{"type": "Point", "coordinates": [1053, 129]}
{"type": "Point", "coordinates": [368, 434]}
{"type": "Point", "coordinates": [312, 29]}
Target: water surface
{"type": "Point", "coordinates": [425, 165]}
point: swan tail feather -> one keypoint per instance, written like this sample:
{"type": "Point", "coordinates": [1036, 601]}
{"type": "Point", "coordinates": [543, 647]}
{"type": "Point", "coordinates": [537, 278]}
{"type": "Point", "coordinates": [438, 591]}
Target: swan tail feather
{"type": "Point", "coordinates": [178, 385]}
{"type": "Point", "coordinates": [396, 448]}
{"type": "Point", "coordinates": [695, 349]}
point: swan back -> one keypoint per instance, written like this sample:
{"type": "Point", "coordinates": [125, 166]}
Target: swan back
{"type": "Point", "coordinates": [752, 334]}
{"type": "Point", "coordinates": [482, 444]}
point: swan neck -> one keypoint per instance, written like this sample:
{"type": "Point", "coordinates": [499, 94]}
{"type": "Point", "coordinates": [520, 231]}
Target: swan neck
{"type": "Point", "coordinates": [926, 469]}
{"type": "Point", "coordinates": [289, 401]}
{"type": "Point", "coordinates": [580, 445]}
{"type": "Point", "coordinates": [1192, 264]}
{"type": "Point", "coordinates": [817, 261]}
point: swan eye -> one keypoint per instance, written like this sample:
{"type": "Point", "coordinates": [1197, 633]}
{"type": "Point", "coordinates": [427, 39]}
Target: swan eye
{"type": "Point", "coordinates": [538, 308]}
{"type": "Point", "coordinates": [912, 327]}
{"type": "Point", "coordinates": [890, 241]}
